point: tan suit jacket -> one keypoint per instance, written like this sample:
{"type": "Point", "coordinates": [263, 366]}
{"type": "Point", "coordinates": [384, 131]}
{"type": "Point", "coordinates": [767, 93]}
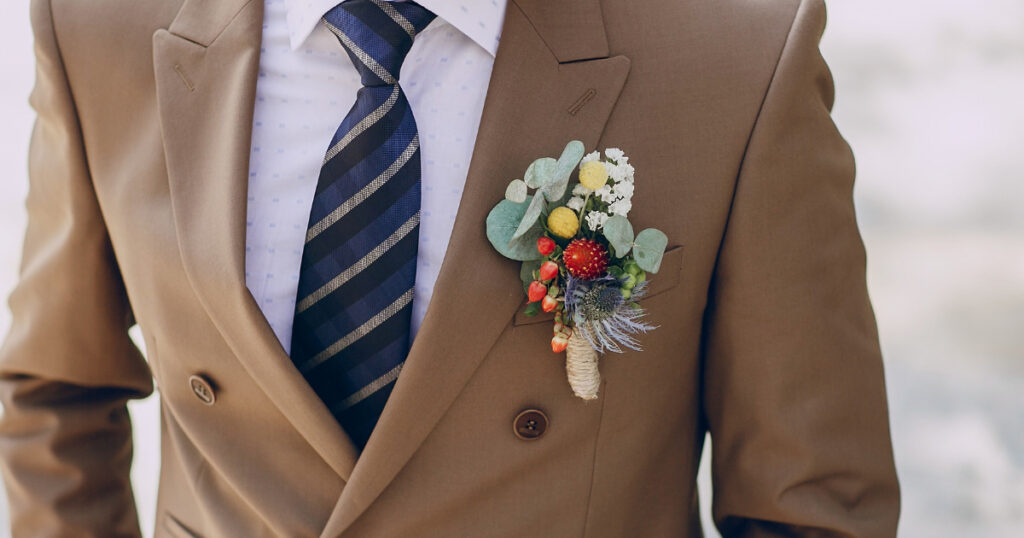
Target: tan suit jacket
{"type": "Point", "coordinates": [767, 339]}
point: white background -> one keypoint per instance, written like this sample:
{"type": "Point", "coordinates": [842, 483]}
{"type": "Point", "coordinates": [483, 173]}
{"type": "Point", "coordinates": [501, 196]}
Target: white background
{"type": "Point", "coordinates": [929, 95]}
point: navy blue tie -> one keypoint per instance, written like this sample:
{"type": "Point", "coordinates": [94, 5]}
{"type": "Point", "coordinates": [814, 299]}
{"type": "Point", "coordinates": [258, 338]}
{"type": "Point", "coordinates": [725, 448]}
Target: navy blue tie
{"type": "Point", "coordinates": [354, 304]}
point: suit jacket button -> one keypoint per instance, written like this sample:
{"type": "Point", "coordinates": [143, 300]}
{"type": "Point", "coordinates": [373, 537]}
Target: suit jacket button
{"type": "Point", "coordinates": [530, 424]}
{"type": "Point", "coordinates": [202, 388]}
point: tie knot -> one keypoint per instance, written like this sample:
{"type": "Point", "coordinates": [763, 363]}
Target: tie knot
{"type": "Point", "coordinates": [377, 35]}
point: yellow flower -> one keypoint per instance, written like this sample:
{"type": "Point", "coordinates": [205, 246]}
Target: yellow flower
{"type": "Point", "coordinates": [563, 222]}
{"type": "Point", "coordinates": [593, 175]}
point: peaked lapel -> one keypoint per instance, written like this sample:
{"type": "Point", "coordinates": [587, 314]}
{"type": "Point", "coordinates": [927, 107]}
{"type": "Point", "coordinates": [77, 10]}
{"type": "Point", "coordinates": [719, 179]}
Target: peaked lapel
{"type": "Point", "coordinates": [205, 66]}
{"type": "Point", "coordinates": [534, 106]}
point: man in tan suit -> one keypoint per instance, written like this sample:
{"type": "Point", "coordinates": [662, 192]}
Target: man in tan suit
{"type": "Point", "coordinates": [766, 338]}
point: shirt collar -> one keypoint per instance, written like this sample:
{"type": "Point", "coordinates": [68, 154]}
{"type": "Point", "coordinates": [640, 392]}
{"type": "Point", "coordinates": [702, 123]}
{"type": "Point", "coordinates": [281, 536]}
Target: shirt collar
{"type": "Point", "coordinates": [480, 20]}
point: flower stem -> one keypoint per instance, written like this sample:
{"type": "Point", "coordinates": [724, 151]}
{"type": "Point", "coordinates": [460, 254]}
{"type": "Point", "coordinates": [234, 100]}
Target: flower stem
{"type": "Point", "coordinates": [583, 211]}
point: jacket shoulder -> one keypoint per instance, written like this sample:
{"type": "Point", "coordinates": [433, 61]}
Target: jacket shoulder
{"type": "Point", "coordinates": [738, 40]}
{"type": "Point", "coordinates": [737, 22]}
{"type": "Point", "coordinates": [93, 23]}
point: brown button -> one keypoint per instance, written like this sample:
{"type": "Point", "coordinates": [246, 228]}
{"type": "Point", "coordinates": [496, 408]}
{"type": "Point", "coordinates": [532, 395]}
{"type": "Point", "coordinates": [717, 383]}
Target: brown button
{"type": "Point", "coordinates": [530, 424]}
{"type": "Point", "coordinates": [202, 389]}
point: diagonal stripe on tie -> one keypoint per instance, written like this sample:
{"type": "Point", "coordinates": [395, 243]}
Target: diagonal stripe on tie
{"type": "Point", "coordinates": [367, 60]}
{"type": "Point", "coordinates": [363, 125]}
{"type": "Point", "coordinates": [359, 265]}
{"type": "Point", "coordinates": [365, 192]}
{"type": "Point", "coordinates": [357, 278]}
{"type": "Point", "coordinates": [400, 19]}
{"type": "Point", "coordinates": [371, 388]}
{"type": "Point", "coordinates": [356, 153]}
{"type": "Point", "coordinates": [371, 324]}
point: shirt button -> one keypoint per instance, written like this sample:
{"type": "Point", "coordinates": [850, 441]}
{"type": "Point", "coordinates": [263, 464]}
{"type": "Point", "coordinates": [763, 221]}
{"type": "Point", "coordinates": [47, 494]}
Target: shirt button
{"type": "Point", "coordinates": [202, 388]}
{"type": "Point", "coordinates": [530, 424]}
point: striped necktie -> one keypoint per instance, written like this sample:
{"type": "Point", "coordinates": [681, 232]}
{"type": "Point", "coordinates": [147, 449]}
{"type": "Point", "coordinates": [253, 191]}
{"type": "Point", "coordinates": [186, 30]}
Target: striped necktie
{"type": "Point", "coordinates": [354, 303]}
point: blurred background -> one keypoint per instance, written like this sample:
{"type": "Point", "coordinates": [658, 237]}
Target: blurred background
{"type": "Point", "coordinates": [929, 96]}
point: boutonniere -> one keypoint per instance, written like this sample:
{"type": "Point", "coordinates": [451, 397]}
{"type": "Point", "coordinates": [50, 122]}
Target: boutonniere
{"type": "Point", "coordinates": [580, 257]}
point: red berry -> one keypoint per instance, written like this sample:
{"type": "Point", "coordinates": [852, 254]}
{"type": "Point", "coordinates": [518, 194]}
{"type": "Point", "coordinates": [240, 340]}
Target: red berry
{"type": "Point", "coordinates": [537, 291]}
{"type": "Point", "coordinates": [585, 258]}
{"type": "Point", "coordinates": [548, 303]}
{"type": "Point", "coordinates": [559, 342]}
{"type": "Point", "coordinates": [548, 270]}
{"type": "Point", "coordinates": [545, 245]}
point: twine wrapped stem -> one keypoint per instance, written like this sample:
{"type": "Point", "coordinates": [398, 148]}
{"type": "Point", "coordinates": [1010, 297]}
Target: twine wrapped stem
{"type": "Point", "coordinates": [581, 367]}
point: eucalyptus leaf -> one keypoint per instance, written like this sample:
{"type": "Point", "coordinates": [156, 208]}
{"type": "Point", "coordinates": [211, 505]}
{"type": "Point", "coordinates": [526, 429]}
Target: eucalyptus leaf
{"type": "Point", "coordinates": [516, 191]}
{"type": "Point", "coordinates": [541, 172]}
{"type": "Point", "coordinates": [554, 191]}
{"type": "Point", "coordinates": [619, 233]}
{"type": "Point", "coordinates": [648, 248]}
{"type": "Point", "coordinates": [530, 216]}
{"type": "Point", "coordinates": [571, 156]}
{"type": "Point", "coordinates": [502, 222]}
{"type": "Point", "coordinates": [524, 247]}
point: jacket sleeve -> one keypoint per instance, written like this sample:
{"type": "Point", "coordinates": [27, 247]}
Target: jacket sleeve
{"type": "Point", "coordinates": [794, 396]}
{"type": "Point", "coordinates": [67, 367]}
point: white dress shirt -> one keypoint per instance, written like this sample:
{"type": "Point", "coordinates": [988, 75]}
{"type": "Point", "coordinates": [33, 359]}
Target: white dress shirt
{"type": "Point", "coordinates": [306, 86]}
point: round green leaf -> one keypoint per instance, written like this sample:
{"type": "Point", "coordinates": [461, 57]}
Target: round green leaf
{"type": "Point", "coordinates": [516, 191]}
{"type": "Point", "coordinates": [619, 233]}
{"type": "Point", "coordinates": [648, 248]}
{"type": "Point", "coordinates": [524, 247]}
{"type": "Point", "coordinates": [541, 172]}
{"type": "Point", "coordinates": [502, 222]}
{"type": "Point", "coordinates": [533, 211]}
{"type": "Point", "coordinates": [554, 191]}
{"type": "Point", "coordinates": [571, 156]}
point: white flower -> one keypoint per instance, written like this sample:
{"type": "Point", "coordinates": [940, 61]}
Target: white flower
{"type": "Point", "coordinates": [616, 155]}
{"type": "Point", "coordinates": [581, 190]}
{"type": "Point", "coordinates": [620, 172]}
{"type": "Point", "coordinates": [596, 219]}
{"type": "Point", "coordinates": [623, 190]}
{"type": "Point", "coordinates": [621, 207]}
{"type": "Point", "coordinates": [605, 194]}
{"type": "Point", "coordinates": [592, 156]}
{"type": "Point", "coordinates": [575, 203]}
{"type": "Point", "coordinates": [627, 170]}
{"type": "Point", "coordinates": [616, 173]}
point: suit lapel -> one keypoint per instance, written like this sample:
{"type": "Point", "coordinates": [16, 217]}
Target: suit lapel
{"type": "Point", "coordinates": [205, 66]}
{"type": "Point", "coordinates": [534, 105]}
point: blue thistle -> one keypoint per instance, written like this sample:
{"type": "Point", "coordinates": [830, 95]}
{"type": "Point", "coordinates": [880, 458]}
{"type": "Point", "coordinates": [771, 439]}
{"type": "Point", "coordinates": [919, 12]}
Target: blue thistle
{"type": "Point", "coordinates": [602, 316]}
